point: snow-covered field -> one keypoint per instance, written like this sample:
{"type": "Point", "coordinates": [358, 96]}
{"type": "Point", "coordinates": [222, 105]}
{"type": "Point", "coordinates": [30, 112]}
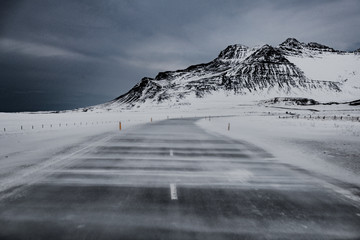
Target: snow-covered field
{"type": "Point", "coordinates": [294, 134]}
{"type": "Point", "coordinates": [326, 147]}
{"type": "Point", "coordinates": [29, 140]}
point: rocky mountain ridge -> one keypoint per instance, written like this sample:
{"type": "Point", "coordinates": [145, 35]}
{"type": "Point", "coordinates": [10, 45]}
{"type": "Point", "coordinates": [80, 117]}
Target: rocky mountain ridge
{"type": "Point", "coordinates": [238, 69]}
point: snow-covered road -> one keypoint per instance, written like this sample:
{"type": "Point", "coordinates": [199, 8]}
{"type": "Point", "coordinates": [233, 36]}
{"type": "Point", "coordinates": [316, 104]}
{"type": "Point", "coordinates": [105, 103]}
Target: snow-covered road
{"type": "Point", "coordinates": [172, 179]}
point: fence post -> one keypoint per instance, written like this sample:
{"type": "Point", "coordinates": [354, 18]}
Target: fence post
{"type": "Point", "coordinates": [228, 126]}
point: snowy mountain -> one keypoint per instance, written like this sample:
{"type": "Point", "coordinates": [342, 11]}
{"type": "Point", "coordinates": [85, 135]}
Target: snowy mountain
{"type": "Point", "coordinates": [290, 69]}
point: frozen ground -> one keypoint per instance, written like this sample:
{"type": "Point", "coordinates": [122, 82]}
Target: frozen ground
{"type": "Point", "coordinates": [329, 146]}
{"type": "Point", "coordinates": [271, 175]}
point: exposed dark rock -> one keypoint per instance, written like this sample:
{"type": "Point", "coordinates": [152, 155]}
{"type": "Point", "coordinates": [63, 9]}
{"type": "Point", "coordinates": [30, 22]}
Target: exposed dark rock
{"type": "Point", "coordinates": [238, 69]}
{"type": "Point", "coordinates": [293, 101]}
{"type": "Point", "coordinates": [355, 103]}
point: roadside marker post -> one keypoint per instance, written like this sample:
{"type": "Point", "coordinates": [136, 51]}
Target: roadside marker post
{"type": "Point", "coordinates": [119, 126]}
{"type": "Point", "coordinates": [228, 126]}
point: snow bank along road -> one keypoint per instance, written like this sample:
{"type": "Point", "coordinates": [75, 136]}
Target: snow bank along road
{"type": "Point", "coordinates": [173, 180]}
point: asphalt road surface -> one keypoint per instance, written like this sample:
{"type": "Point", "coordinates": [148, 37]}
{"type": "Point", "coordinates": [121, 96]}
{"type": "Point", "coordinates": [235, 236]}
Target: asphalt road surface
{"type": "Point", "coordinates": [173, 180]}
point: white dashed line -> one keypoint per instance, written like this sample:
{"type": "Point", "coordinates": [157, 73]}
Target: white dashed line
{"type": "Point", "coordinates": [173, 192]}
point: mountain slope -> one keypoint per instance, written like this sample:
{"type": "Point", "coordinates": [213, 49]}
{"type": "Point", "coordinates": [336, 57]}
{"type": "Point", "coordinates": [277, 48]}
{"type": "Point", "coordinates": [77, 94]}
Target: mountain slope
{"type": "Point", "coordinates": [292, 68]}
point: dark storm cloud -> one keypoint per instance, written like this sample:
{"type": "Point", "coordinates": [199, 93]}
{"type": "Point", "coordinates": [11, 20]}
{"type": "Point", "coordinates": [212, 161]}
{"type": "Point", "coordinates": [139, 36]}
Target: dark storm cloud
{"type": "Point", "coordinates": [66, 54]}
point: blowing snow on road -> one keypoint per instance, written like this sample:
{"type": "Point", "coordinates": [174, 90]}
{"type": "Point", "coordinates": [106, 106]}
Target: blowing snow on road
{"type": "Point", "coordinates": [172, 179]}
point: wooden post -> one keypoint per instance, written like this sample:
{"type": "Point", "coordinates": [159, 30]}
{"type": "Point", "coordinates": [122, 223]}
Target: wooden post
{"type": "Point", "coordinates": [228, 126]}
{"type": "Point", "coordinates": [119, 126]}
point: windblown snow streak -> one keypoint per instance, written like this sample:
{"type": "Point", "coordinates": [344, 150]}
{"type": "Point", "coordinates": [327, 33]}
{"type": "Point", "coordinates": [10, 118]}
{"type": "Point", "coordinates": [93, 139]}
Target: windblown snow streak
{"type": "Point", "coordinates": [285, 70]}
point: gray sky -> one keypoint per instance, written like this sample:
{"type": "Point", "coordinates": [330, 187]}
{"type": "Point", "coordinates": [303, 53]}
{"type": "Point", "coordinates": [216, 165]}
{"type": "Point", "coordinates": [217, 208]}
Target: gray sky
{"type": "Point", "coordinates": [65, 54]}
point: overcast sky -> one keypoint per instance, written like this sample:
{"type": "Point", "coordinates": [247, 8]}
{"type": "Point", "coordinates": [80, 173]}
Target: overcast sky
{"type": "Point", "coordinates": [66, 54]}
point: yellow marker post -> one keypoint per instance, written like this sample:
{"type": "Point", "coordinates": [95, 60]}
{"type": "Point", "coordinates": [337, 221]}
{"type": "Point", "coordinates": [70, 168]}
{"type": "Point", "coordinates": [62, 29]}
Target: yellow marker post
{"type": "Point", "coordinates": [119, 126]}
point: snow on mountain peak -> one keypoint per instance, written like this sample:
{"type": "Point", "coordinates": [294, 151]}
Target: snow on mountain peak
{"type": "Point", "coordinates": [291, 69]}
{"type": "Point", "coordinates": [291, 46]}
{"type": "Point", "coordinates": [291, 43]}
{"type": "Point", "coordinates": [234, 52]}
{"type": "Point", "coordinates": [267, 54]}
{"type": "Point", "coordinates": [319, 47]}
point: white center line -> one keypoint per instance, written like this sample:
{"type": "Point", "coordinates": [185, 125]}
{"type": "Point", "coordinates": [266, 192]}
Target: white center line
{"type": "Point", "coordinates": [173, 192]}
{"type": "Point", "coordinates": [171, 152]}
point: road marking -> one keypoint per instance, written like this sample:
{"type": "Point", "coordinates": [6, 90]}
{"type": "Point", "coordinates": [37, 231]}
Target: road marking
{"type": "Point", "coordinates": [173, 192]}
{"type": "Point", "coordinates": [171, 152]}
